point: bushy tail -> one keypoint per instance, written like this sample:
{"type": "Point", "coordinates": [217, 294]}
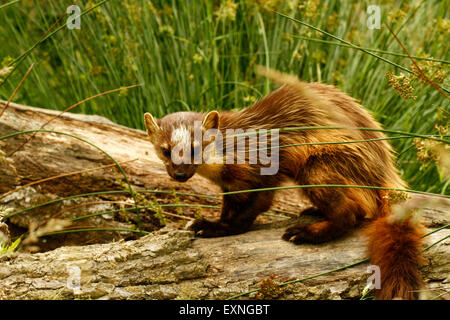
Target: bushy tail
{"type": "Point", "coordinates": [395, 247]}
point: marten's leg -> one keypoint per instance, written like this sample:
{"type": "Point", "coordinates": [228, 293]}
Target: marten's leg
{"type": "Point", "coordinates": [342, 208]}
{"type": "Point", "coordinates": [238, 213]}
{"type": "Point", "coordinates": [340, 219]}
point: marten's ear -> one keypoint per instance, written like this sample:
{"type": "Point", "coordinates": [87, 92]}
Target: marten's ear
{"type": "Point", "coordinates": [211, 121]}
{"type": "Point", "coordinates": [151, 125]}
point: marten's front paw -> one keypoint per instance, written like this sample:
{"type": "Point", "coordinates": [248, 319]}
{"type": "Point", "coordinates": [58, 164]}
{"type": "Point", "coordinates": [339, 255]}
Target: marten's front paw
{"type": "Point", "coordinates": [207, 229]}
{"type": "Point", "coordinates": [298, 234]}
{"type": "Point", "coordinates": [196, 226]}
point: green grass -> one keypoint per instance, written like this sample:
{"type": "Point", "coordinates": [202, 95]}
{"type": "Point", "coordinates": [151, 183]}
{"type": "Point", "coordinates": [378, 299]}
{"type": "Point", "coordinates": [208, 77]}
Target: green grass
{"type": "Point", "coordinates": [189, 56]}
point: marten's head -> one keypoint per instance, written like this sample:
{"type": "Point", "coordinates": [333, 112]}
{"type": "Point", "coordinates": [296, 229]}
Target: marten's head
{"type": "Point", "coordinates": [178, 140]}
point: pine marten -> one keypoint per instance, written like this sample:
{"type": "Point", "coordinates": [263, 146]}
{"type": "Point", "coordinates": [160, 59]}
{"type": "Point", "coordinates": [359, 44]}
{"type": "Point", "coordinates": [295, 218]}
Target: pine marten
{"type": "Point", "coordinates": [394, 245]}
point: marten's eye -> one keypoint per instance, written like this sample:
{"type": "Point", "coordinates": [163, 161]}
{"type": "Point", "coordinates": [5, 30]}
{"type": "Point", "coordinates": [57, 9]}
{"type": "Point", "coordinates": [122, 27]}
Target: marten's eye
{"type": "Point", "coordinates": [166, 152]}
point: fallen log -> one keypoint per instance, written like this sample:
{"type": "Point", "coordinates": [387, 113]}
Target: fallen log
{"type": "Point", "coordinates": [169, 263]}
{"type": "Point", "coordinates": [172, 264]}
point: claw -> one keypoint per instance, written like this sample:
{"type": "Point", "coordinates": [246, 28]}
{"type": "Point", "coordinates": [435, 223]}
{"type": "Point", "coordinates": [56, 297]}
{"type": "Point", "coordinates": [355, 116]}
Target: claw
{"type": "Point", "coordinates": [189, 225]}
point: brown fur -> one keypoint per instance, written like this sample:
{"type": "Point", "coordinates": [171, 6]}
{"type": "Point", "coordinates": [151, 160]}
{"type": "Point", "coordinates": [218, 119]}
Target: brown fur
{"type": "Point", "coordinates": [394, 247]}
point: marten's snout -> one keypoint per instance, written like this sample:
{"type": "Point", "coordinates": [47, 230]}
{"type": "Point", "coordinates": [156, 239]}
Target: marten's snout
{"type": "Point", "coordinates": [181, 173]}
{"type": "Point", "coordinates": [181, 176]}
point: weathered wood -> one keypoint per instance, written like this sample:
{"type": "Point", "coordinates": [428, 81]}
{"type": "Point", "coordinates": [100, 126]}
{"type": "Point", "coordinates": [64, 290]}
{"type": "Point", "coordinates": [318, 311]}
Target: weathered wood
{"type": "Point", "coordinates": [169, 263]}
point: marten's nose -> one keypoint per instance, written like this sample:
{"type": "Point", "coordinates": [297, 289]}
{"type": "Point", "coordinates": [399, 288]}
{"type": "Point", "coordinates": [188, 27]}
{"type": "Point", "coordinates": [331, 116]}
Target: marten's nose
{"type": "Point", "coordinates": [180, 176]}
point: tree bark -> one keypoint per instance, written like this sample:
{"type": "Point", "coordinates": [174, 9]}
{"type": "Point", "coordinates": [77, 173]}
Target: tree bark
{"type": "Point", "coordinates": [169, 263]}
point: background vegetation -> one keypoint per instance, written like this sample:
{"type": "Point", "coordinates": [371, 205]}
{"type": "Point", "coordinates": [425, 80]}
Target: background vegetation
{"type": "Point", "coordinates": [199, 55]}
